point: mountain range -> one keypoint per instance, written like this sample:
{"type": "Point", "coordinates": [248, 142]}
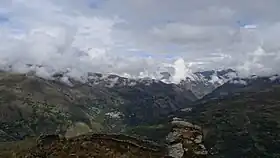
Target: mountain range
{"type": "Point", "coordinates": [234, 112]}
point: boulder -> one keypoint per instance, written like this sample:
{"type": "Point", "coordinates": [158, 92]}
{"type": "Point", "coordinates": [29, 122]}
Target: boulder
{"type": "Point", "coordinates": [176, 150]}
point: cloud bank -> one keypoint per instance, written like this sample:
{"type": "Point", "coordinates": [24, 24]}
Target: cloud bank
{"type": "Point", "coordinates": [140, 38]}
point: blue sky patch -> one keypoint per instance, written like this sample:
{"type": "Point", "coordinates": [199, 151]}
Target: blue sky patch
{"type": "Point", "coordinates": [3, 19]}
{"type": "Point", "coordinates": [94, 3]}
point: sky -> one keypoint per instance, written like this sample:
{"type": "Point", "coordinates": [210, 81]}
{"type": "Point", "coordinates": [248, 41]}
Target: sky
{"type": "Point", "coordinates": [136, 38]}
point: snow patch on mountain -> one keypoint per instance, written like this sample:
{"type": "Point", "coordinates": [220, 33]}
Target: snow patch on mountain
{"type": "Point", "coordinates": [114, 114]}
{"type": "Point", "coordinates": [216, 79]}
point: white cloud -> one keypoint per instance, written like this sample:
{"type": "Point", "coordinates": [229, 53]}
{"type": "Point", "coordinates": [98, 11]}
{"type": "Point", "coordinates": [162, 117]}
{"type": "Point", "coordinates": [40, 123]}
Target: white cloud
{"type": "Point", "coordinates": [241, 82]}
{"type": "Point", "coordinates": [115, 36]}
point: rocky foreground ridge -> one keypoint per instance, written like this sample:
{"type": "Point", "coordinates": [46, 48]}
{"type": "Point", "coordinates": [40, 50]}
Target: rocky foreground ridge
{"type": "Point", "coordinates": [183, 141]}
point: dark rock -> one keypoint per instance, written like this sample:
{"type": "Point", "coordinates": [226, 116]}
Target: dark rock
{"type": "Point", "coordinates": [45, 140]}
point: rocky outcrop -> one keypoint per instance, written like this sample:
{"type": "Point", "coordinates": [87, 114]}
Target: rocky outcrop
{"type": "Point", "coordinates": [185, 140]}
{"type": "Point", "coordinates": [93, 145]}
{"type": "Point", "coordinates": [45, 140]}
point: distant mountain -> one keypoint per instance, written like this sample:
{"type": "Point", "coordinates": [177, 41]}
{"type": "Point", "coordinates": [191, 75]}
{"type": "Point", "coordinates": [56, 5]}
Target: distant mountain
{"type": "Point", "coordinates": [199, 83]}
{"type": "Point", "coordinates": [203, 83]}
{"type": "Point", "coordinates": [237, 85]}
